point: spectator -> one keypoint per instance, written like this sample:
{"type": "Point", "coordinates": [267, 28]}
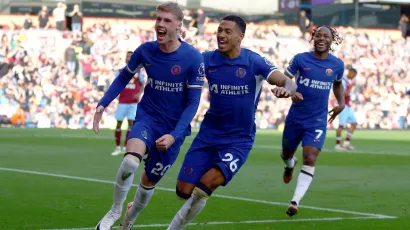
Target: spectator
{"type": "Point", "coordinates": [304, 23]}
{"type": "Point", "coordinates": [28, 23]}
{"type": "Point", "coordinates": [76, 19]}
{"type": "Point", "coordinates": [18, 119]}
{"type": "Point", "coordinates": [59, 16]}
{"type": "Point", "coordinates": [187, 19]}
{"type": "Point", "coordinates": [200, 21]}
{"type": "Point", "coordinates": [52, 95]}
{"type": "Point", "coordinates": [404, 25]}
{"type": "Point", "coordinates": [70, 57]}
{"type": "Point", "coordinates": [43, 20]}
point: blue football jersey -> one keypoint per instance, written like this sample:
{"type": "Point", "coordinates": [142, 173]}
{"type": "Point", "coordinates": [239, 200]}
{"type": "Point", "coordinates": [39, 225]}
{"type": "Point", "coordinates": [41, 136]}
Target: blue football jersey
{"type": "Point", "coordinates": [235, 86]}
{"type": "Point", "coordinates": [314, 78]}
{"type": "Point", "coordinates": [169, 76]}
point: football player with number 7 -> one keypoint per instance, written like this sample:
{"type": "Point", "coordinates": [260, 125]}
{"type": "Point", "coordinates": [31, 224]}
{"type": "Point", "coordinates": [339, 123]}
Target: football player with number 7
{"type": "Point", "coordinates": [316, 72]}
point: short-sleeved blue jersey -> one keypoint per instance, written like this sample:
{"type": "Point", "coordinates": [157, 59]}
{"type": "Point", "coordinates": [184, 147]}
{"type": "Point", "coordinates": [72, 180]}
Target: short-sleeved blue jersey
{"type": "Point", "coordinates": [235, 86]}
{"type": "Point", "coordinates": [314, 78]}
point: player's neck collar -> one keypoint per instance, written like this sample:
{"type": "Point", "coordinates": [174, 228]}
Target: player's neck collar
{"type": "Point", "coordinates": [324, 58]}
{"type": "Point", "coordinates": [178, 46]}
{"type": "Point", "coordinates": [217, 59]}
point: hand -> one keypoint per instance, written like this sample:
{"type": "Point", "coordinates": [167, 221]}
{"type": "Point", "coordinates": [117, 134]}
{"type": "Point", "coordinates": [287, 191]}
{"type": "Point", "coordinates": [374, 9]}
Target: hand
{"type": "Point", "coordinates": [281, 92]}
{"type": "Point", "coordinates": [334, 112]}
{"type": "Point", "coordinates": [97, 118]}
{"type": "Point", "coordinates": [164, 142]}
{"type": "Point", "coordinates": [297, 97]}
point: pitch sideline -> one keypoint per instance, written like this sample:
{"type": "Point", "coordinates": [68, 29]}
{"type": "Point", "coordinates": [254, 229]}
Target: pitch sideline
{"type": "Point", "coordinates": [369, 215]}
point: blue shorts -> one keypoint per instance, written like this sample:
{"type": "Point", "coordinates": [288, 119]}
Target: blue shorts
{"type": "Point", "coordinates": [309, 135]}
{"type": "Point", "coordinates": [203, 156]}
{"type": "Point", "coordinates": [347, 116]}
{"type": "Point", "coordinates": [156, 163]}
{"type": "Point", "coordinates": [126, 110]}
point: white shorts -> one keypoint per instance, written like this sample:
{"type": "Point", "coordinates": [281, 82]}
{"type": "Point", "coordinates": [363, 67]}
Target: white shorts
{"type": "Point", "coordinates": [347, 116]}
{"type": "Point", "coordinates": [126, 110]}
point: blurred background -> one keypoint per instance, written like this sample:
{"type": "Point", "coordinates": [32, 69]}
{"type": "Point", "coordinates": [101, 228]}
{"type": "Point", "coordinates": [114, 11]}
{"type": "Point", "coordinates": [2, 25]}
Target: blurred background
{"type": "Point", "coordinates": [58, 57]}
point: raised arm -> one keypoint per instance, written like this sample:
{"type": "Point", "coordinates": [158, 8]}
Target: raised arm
{"type": "Point", "coordinates": [133, 66]}
{"type": "Point", "coordinates": [286, 87]}
{"type": "Point", "coordinates": [117, 86]}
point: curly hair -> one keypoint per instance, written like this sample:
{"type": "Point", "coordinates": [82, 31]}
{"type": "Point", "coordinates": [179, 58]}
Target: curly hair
{"type": "Point", "coordinates": [336, 39]}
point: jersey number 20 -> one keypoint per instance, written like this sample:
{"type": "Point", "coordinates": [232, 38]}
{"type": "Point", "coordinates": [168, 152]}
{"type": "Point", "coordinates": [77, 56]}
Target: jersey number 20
{"type": "Point", "coordinates": [160, 169]}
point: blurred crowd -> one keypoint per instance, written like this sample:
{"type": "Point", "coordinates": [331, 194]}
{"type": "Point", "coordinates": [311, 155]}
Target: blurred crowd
{"type": "Point", "coordinates": [38, 89]}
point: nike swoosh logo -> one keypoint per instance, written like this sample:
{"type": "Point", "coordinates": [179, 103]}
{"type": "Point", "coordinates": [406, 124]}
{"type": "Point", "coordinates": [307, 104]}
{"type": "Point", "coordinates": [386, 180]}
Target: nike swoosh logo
{"type": "Point", "coordinates": [125, 175]}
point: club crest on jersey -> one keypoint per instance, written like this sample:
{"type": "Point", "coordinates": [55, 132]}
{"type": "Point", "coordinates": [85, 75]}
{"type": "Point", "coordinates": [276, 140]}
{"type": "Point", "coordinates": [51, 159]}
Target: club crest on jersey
{"type": "Point", "coordinates": [176, 69]}
{"type": "Point", "coordinates": [329, 72]}
{"type": "Point", "coordinates": [240, 72]}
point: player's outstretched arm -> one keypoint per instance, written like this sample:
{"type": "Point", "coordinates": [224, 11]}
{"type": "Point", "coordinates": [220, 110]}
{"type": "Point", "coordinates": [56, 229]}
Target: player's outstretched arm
{"type": "Point", "coordinates": [286, 86]}
{"type": "Point", "coordinates": [338, 90]}
{"type": "Point", "coordinates": [113, 91]}
{"type": "Point", "coordinates": [117, 86]}
{"type": "Point", "coordinates": [133, 66]}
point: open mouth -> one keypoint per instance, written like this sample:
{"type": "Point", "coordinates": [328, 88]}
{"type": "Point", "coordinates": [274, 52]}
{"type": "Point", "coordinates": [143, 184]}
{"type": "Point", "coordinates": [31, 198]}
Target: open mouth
{"type": "Point", "coordinates": [321, 45]}
{"type": "Point", "coordinates": [222, 43]}
{"type": "Point", "coordinates": [161, 33]}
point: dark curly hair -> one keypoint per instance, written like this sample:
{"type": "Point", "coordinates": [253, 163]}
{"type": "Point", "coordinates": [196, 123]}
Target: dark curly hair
{"type": "Point", "coordinates": [336, 39]}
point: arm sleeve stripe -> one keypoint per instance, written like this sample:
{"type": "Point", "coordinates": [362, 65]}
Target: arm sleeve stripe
{"type": "Point", "coordinates": [289, 74]}
{"type": "Point", "coordinates": [135, 71]}
{"type": "Point", "coordinates": [194, 86]}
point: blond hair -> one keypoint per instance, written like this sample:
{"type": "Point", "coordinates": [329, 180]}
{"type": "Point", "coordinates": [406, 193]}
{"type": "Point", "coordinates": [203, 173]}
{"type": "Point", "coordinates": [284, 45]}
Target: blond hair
{"type": "Point", "coordinates": [172, 7]}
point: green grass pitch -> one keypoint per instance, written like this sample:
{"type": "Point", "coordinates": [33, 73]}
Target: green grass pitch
{"type": "Point", "coordinates": [62, 179]}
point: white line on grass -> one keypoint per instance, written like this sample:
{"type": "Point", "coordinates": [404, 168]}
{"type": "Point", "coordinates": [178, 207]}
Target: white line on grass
{"type": "Point", "coordinates": [372, 152]}
{"type": "Point", "coordinates": [237, 222]}
{"type": "Point", "coordinates": [214, 195]}
{"type": "Point", "coordinates": [188, 141]}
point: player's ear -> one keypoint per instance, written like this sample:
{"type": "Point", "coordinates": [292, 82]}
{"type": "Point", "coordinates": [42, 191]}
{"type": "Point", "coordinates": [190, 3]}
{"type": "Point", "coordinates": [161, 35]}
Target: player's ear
{"type": "Point", "coordinates": [241, 36]}
{"type": "Point", "coordinates": [179, 27]}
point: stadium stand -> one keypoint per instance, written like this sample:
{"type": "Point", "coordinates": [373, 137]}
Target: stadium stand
{"type": "Point", "coordinates": [45, 86]}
